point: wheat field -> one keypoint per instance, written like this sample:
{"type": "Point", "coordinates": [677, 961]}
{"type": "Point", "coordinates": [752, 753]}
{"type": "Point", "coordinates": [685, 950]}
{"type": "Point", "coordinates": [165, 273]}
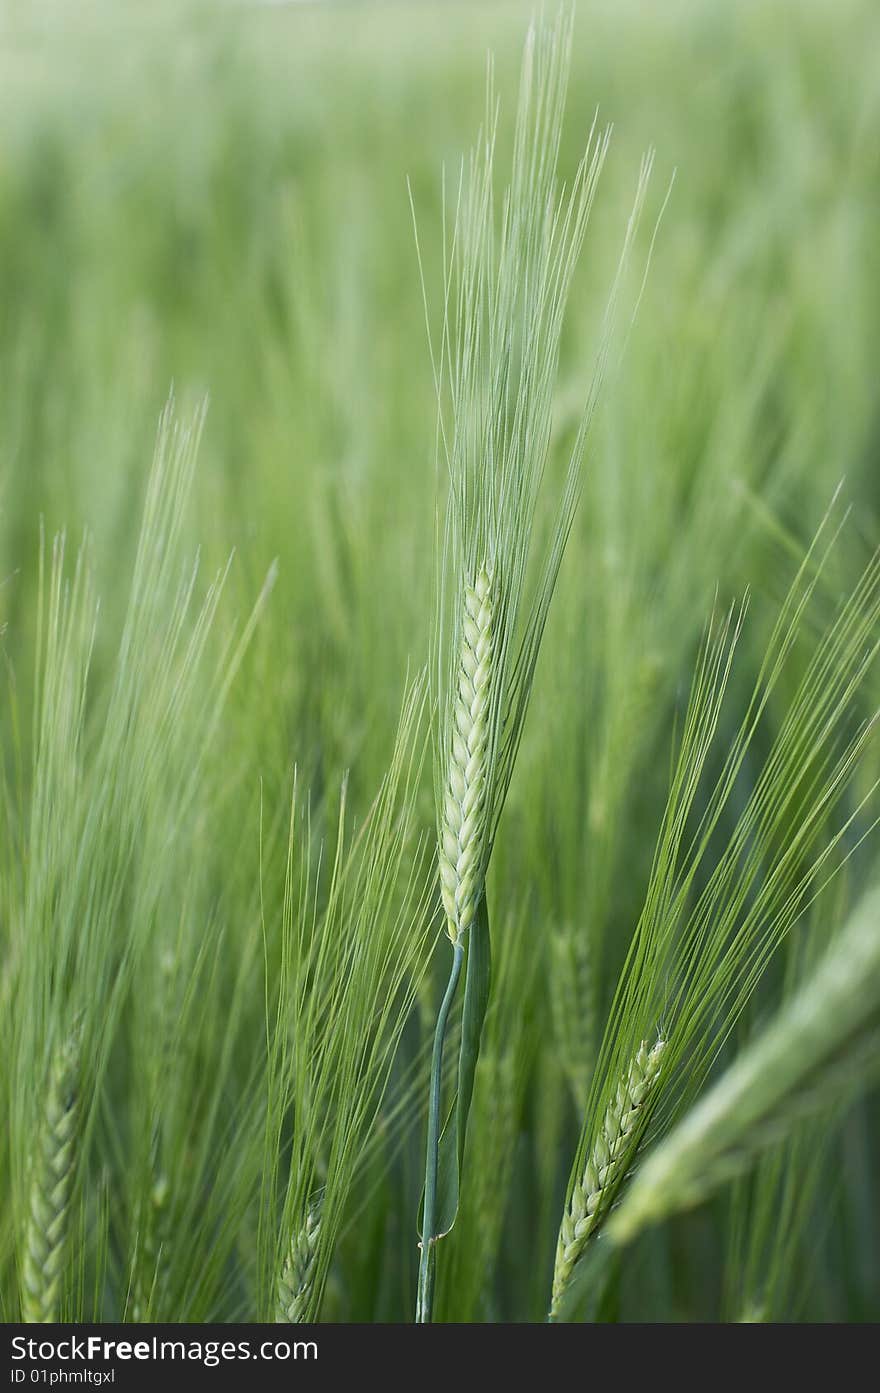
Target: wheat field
{"type": "Point", "coordinates": [440, 611]}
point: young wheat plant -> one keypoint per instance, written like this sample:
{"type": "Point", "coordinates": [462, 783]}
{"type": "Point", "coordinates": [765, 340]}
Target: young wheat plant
{"type": "Point", "coordinates": [504, 301]}
{"type": "Point", "coordinates": [698, 954]}
{"type": "Point", "coordinates": [348, 979]}
{"type": "Point", "coordinates": [114, 781]}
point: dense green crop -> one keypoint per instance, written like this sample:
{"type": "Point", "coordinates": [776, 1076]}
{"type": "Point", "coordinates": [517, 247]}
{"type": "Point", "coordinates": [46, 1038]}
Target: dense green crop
{"type": "Point", "coordinates": [614, 650]}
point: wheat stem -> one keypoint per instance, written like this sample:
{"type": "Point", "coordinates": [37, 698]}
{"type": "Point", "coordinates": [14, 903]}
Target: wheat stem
{"type": "Point", "coordinates": [461, 854]}
{"type": "Point", "coordinates": [605, 1166]}
{"type": "Point", "coordinates": [46, 1237]}
{"type": "Point", "coordinates": [427, 1259]}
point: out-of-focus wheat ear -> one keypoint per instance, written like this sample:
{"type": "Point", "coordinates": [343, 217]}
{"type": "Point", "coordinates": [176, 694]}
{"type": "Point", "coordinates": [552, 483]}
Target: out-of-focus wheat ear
{"type": "Point", "coordinates": [297, 1275]}
{"type": "Point", "coordinates": [610, 1154]}
{"type": "Point", "coordinates": [572, 1008]}
{"type": "Point", "coordinates": [753, 1315]}
{"type": "Point", "coordinates": [54, 1164]}
{"type": "Point", "coordinates": [463, 825]}
{"type": "Point", "coordinates": [151, 1271]}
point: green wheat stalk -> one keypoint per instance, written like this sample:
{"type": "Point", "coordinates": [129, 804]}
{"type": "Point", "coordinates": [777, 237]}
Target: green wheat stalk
{"type": "Point", "coordinates": [506, 286]}
{"type": "Point", "coordinates": [348, 979]}
{"type": "Point", "coordinates": [698, 953]}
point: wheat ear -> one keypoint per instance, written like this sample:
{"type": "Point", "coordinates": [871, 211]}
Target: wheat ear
{"type": "Point", "coordinates": [571, 1007]}
{"type": "Point", "coordinates": [298, 1271]}
{"type": "Point", "coordinates": [462, 833]}
{"type": "Point", "coordinates": [51, 1187]}
{"type": "Point", "coordinates": [152, 1254]}
{"type": "Point", "coordinates": [604, 1166]}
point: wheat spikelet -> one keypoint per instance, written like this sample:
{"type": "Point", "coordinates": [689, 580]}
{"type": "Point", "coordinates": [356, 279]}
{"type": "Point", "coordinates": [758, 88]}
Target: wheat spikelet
{"type": "Point", "coordinates": [298, 1271]}
{"type": "Point", "coordinates": [51, 1185]}
{"type": "Point", "coordinates": [604, 1165]}
{"type": "Point", "coordinates": [462, 833]}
